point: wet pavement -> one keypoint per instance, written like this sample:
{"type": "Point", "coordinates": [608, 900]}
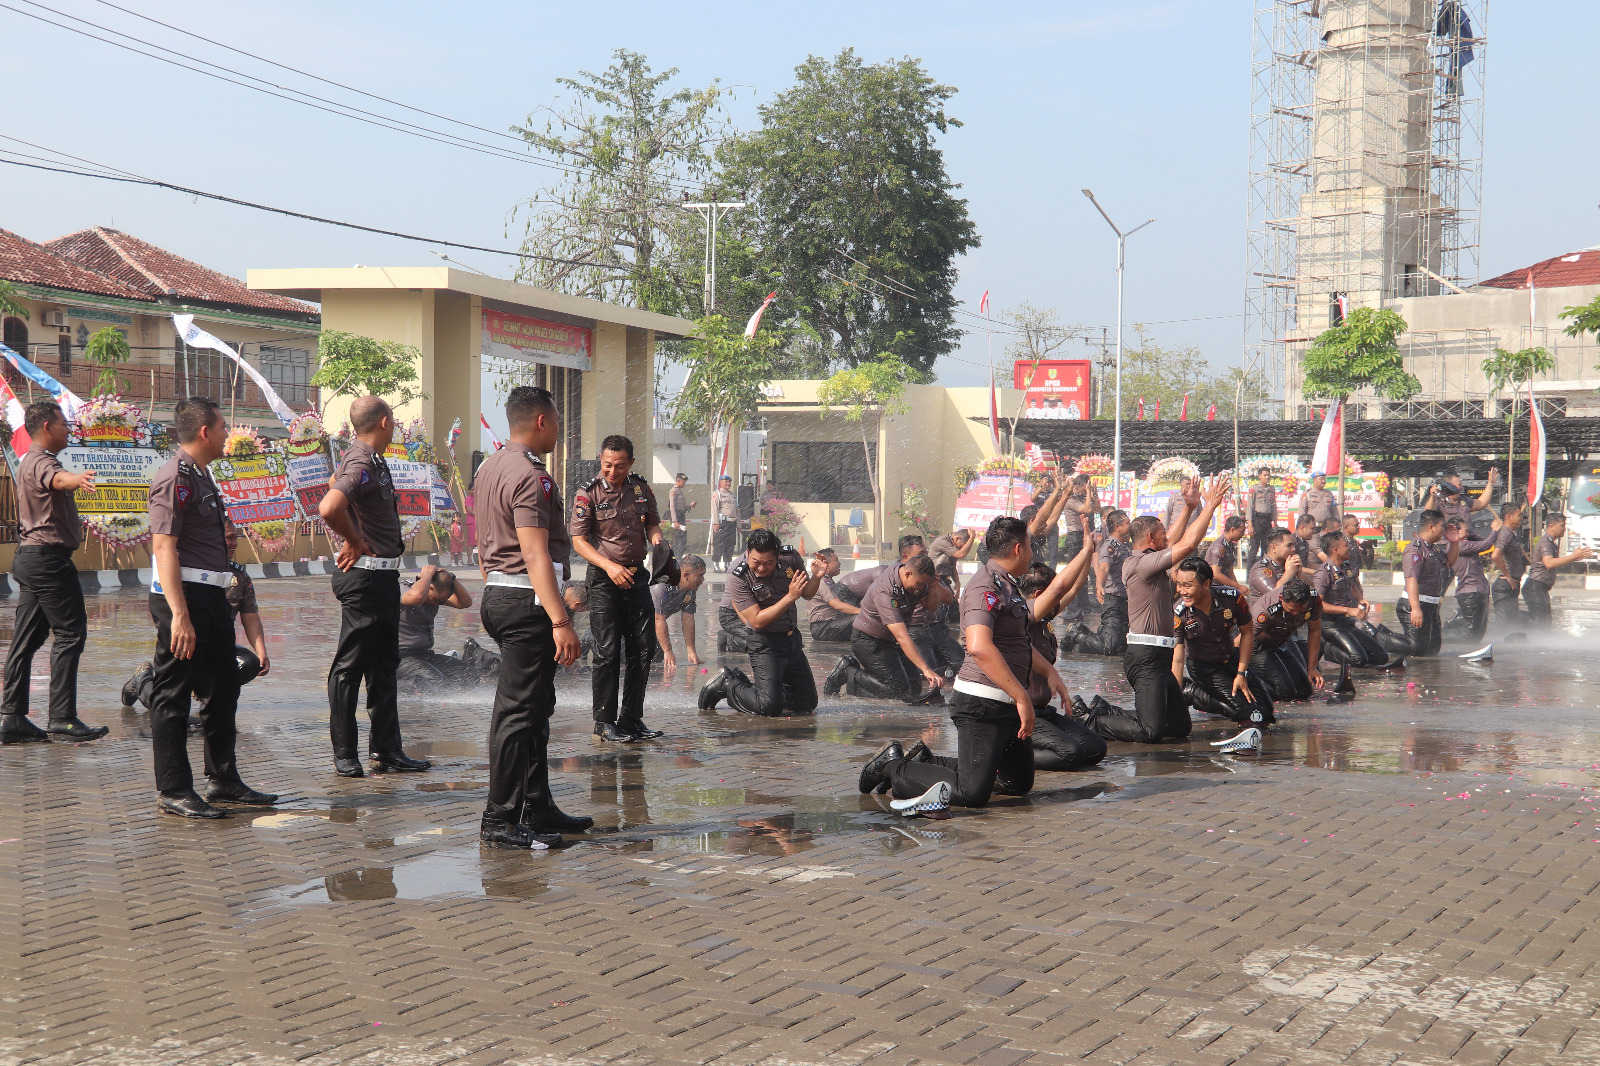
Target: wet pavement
{"type": "Point", "coordinates": [1409, 877]}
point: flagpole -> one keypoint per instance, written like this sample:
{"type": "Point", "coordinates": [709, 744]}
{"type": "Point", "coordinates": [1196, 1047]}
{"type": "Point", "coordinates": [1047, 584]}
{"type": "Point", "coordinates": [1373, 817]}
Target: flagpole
{"type": "Point", "coordinates": [1340, 468]}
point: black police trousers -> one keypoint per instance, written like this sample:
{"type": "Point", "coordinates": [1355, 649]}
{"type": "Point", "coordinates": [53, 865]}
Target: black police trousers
{"type": "Point", "coordinates": [938, 647]}
{"type": "Point", "coordinates": [781, 681]}
{"type": "Point", "coordinates": [834, 630]}
{"type": "Point", "coordinates": [1159, 711]}
{"type": "Point", "coordinates": [990, 757]}
{"type": "Point", "coordinates": [1261, 527]}
{"type": "Point", "coordinates": [1505, 598]}
{"type": "Point", "coordinates": [1282, 671]}
{"type": "Point", "coordinates": [1426, 638]}
{"type": "Point", "coordinates": [724, 541]}
{"type": "Point", "coordinates": [1537, 599]}
{"type": "Point", "coordinates": [524, 700]}
{"type": "Point", "coordinates": [1063, 743]}
{"type": "Point", "coordinates": [249, 665]}
{"type": "Point", "coordinates": [1472, 617]}
{"type": "Point", "coordinates": [1112, 636]}
{"type": "Point", "coordinates": [1211, 691]}
{"type": "Point", "coordinates": [734, 635]}
{"type": "Point", "coordinates": [622, 627]}
{"type": "Point", "coordinates": [213, 668]}
{"type": "Point", "coordinates": [1349, 643]}
{"type": "Point", "coordinates": [882, 671]}
{"type": "Point", "coordinates": [368, 650]}
{"type": "Point", "coordinates": [49, 603]}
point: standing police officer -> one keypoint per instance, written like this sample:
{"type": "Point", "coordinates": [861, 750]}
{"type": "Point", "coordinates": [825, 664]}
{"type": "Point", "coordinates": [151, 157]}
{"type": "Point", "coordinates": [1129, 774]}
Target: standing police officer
{"type": "Point", "coordinates": [522, 551]}
{"type": "Point", "coordinates": [1263, 514]}
{"type": "Point", "coordinates": [724, 523]}
{"type": "Point", "coordinates": [613, 517]}
{"type": "Point", "coordinates": [49, 600]}
{"type": "Point", "coordinates": [360, 507]}
{"type": "Point", "coordinates": [1318, 501]}
{"type": "Point", "coordinates": [194, 626]}
{"type": "Point", "coordinates": [678, 507]}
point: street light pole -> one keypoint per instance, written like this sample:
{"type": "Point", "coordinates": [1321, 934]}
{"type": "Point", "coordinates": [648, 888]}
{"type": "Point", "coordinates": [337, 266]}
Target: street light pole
{"type": "Point", "coordinates": [712, 213]}
{"type": "Point", "coordinates": [1122, 245]}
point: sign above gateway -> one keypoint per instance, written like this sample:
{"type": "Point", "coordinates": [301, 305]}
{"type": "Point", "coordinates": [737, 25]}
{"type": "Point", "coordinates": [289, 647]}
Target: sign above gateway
{"type": "Point", "coordinates": [534, 340]}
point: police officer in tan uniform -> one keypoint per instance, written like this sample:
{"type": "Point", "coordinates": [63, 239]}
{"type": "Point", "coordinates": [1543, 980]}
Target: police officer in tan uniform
{"type": "Point", "coordinates": [724, 523]}
{"type": "Point", "coordinates": [49, 597]}
{"type": "Point", "coordinates": [360, 507]}
{"type": "Point", "coordinates": [1318, 501]}
{"type": "Point", "coordinates": [614, 523]}
{"type": "Point", "coordinates": [522, 540]}
{"type": "Point", "coordinates": [194, 626]}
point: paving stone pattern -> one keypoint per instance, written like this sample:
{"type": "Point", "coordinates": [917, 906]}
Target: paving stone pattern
{"type": "Point", "coordinates": [741, 903]}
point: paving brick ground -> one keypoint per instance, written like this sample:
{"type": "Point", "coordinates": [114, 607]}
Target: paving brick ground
{"type": "Point", "coordinates": [1407, 879]}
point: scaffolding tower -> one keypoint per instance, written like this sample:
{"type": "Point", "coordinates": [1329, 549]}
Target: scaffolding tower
{"type": "Point", "coordinates": [1366, 148]}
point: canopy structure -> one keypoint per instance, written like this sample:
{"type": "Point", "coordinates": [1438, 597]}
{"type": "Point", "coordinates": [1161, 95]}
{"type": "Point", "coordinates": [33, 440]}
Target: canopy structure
{"type": "Point", "coordinates": [1397, 445]}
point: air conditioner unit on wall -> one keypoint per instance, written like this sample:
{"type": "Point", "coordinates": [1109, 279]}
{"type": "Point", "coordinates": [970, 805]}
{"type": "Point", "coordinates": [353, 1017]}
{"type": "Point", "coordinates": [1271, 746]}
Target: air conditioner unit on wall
{"type": "Point", "coordinates": [54, 318]}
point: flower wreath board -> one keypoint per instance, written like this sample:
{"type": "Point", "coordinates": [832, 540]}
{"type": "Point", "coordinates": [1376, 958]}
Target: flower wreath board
{"type": "Point", "coordinates": [112, 438]}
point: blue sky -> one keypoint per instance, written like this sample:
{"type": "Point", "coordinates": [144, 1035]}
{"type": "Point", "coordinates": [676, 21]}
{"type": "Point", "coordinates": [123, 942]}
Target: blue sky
{"type": "Point", "coordinates": [1146, 104]}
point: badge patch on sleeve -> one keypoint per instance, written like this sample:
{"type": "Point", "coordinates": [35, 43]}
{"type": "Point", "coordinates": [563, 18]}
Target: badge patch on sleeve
{"type": "Point", "coordinates": [990, 601]}
{"type": "Point", "coordinates": [1261, 618]}
{"type": "Point", "coordinates": [366, 476]}
{"type": "Point", "coordinates": [546, 484]}
{"type": "Point", "coordinates": [183, 495]}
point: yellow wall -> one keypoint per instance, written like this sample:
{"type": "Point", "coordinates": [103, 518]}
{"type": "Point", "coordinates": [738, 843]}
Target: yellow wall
{"type": "Point", "coordinates": [921, 446]}
{"type": "Point", "coordinates": [403, 316]}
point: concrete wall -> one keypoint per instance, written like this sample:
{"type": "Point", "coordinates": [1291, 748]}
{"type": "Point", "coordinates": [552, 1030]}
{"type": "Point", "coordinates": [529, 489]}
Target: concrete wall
{"type": "Point", "coordinates": [919, 447]}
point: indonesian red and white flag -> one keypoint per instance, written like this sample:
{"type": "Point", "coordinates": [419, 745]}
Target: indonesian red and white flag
{"type": "Point", "coordinates": [1156, 415]}
{"type": "Point", "coordinates": [1140, 415]}
{"type": "Point", "coordinates": [1344, 307]}
{"type": "Point", "coordinates": [755, 319]}
{"type": "Point", "coordinates": [1326, 457]}
{"type": "Point", "coordinates": [484, 422]}
{"type": "Point", "coordinates": [983, 304]}
{"type": "Point", "coordinates": [1183, 413]}
{"type": "Point", "coordinates": [1211, 413]}
{"type": "Point", "coordinates": [20, 441]}
{"type": "Point", "coordinates": [1536, 450]}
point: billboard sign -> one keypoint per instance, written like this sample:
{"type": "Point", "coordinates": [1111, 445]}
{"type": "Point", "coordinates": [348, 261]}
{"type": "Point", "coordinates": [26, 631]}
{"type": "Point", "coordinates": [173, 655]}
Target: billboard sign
{"type": "Point", "coordinates": [1053, 388]}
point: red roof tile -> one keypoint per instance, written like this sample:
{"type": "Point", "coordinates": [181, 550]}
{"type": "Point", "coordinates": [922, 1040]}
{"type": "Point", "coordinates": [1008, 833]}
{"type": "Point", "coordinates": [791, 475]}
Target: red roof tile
{"type": "Point", "coordinates": [1574, 268]}
{"type": "Point", "coordinates": [157, 272]}
{"type": "Point", "coordinates": [22, 260]}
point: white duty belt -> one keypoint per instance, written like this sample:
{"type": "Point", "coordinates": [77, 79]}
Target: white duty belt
{"type": "Point", "coordinates": [523, 581]}
{"type": "Point", "coordinates": [1429, 599]}
{"type": "Point", "coordinates": [1152, 640]}
{"type": "Point", "coordinates": [191, 575]}
{"type": "Point", "coordinates": [377, 562]}
{"type": "Point", "coordinates": [988, 692]}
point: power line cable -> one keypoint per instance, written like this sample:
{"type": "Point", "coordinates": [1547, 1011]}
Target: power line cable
{"type": "Point", "coordinates": [305, 99]}
{"type": "Point", "coordinates": [154, 183]}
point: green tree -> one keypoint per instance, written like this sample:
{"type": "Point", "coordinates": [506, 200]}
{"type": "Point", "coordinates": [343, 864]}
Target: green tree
{"type": "Point", "coordinates": [349, 364]}
{"type": "Point", "coordinates": [11, 303]}
{"type": "Point", "coordinates": [879, 385]}
{"type": "Point", "coordinates": [726, 372]}
{"type": "Point", "coordinates": [851, 206]}
{"type": "Point", "coordinates": [1358, 353]}
{"type": "Point", "coordinates": [1158, 372]}
{"type": "Point", "coordinates": [1585, 318]}
{"type": "Point", "coordinates": [617, 214]}
{"type": "Point", "coordinates": [1510, 370]}
{"type": "Point", "coordinates": [107, 349]}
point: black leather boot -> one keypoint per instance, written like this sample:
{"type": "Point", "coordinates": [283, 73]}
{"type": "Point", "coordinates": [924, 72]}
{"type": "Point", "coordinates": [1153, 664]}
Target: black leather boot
{"type": "Point", "coordinates": [19, 729]}
{"type": "Point", "coordinates": [76, 729]}
{"type": "Point", "coordinates": [874, 775]}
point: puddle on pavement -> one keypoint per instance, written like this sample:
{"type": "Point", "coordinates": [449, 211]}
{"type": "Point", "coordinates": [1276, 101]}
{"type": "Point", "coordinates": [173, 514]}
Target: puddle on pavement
{"type": "Point", "coordinates": [424, 749]}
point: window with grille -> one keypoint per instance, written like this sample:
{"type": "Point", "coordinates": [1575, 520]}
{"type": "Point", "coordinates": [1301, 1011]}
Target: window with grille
{"type": "Point", "coordinates": [821, 471]}
{"type": "Point", "coordinates": [289, 371]}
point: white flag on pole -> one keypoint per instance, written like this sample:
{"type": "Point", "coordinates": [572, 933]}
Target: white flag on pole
{"type": "Point", "coordinates": [195, 337]}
